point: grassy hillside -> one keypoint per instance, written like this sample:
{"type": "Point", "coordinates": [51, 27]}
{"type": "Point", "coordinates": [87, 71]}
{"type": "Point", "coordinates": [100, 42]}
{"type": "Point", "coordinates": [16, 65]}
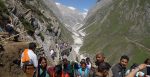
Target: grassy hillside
{"type": "Point", "coordinates": [66, 35]}
{"type": "Point", "coordinates": [123, 28]}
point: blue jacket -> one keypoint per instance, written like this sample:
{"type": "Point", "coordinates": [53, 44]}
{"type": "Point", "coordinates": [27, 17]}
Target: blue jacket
{"type": "Point", "coordinates": [86, 72]}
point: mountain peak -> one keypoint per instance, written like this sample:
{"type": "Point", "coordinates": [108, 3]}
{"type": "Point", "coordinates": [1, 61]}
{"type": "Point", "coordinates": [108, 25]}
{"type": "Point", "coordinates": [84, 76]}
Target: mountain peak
{"type": "Point", "coordinates": [71, 15]}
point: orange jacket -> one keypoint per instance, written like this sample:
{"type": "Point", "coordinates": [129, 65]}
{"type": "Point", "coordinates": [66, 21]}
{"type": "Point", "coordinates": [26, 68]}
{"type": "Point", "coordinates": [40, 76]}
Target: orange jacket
{"type": "Point", "coordinates": [25, 57]}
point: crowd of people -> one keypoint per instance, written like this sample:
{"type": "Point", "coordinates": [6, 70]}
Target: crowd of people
{"type": "Point", "coordinates": [60, 50]}
{"type": "Point", "coordinates": [34, 67]}
{"type": "Point", "coordinates": [65, 49]}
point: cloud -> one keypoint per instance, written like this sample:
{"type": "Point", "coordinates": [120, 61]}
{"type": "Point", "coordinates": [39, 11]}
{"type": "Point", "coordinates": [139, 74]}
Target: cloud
{"type": "Point", "coordinates": [86, 10]}
{"type": "Point", "coordinates": [72, 8]}
{"type": "Point", "coordinates": [57, 3]}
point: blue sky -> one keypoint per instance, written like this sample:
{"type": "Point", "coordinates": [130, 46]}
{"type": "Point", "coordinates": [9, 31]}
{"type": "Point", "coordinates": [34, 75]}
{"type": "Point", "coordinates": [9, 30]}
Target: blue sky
{"type": "Point", "coordinates": [78, 4]}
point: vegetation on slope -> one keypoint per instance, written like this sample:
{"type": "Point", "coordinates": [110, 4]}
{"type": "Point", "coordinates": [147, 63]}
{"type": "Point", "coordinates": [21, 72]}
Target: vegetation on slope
{"type": "Point", "coordinates": [124, 24]}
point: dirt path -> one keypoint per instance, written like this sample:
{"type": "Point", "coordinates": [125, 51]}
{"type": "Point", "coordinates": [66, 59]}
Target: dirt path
{"type": "Point", "coordinates": [138, 44]}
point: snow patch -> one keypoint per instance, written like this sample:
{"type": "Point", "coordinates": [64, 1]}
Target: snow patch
{"type": "Point", "coordinates": [84, 14]}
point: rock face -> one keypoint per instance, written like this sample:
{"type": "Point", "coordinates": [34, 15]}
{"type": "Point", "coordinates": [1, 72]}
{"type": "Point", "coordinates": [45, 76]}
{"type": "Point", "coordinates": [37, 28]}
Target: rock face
{"type": "Point", "coordinates": [118, 27]}
{"type": "Point", "coordinates": [50, 4]}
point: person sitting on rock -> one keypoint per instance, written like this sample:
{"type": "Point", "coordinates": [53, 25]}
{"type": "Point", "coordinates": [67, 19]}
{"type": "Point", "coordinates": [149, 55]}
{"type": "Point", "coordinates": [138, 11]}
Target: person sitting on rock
{"type": "Point", "coordinates": [34, 22]}
{"type": "Point", "coordinates": [9, 27]}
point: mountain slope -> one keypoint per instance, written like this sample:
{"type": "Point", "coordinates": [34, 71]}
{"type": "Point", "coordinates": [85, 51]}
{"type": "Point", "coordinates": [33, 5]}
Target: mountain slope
{"type": "Point", "coordinates": [73, 20]}
{"type": "Point", "coordinates": [71, 17]}
{"type": "Point", "coordinates": [51, 7]}
{"type": "Point", "coordinates": [35, 22]}
{"type": "Point", "coordinates": [119, 27]}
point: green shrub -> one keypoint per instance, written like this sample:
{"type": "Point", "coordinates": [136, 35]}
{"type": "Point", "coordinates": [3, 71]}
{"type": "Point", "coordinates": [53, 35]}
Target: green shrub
{"type": "Point", "coordinates": [2, 7]}
{"type": "Point", "coordinates": [28, 27]}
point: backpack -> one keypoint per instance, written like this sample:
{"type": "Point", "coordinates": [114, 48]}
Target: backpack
{"type": "Point", "coordinates": [25, 59]}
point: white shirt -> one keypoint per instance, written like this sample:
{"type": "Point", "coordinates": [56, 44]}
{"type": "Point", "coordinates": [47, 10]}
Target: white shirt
{"type": "Point", "coordinates": [10, 25]}
{"type": "Point", "coordinates": [51, 52]}
{"type": "Point", "coordinates": [89, 65]}
{"type": "Point", "coordinates": [33, 58]}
